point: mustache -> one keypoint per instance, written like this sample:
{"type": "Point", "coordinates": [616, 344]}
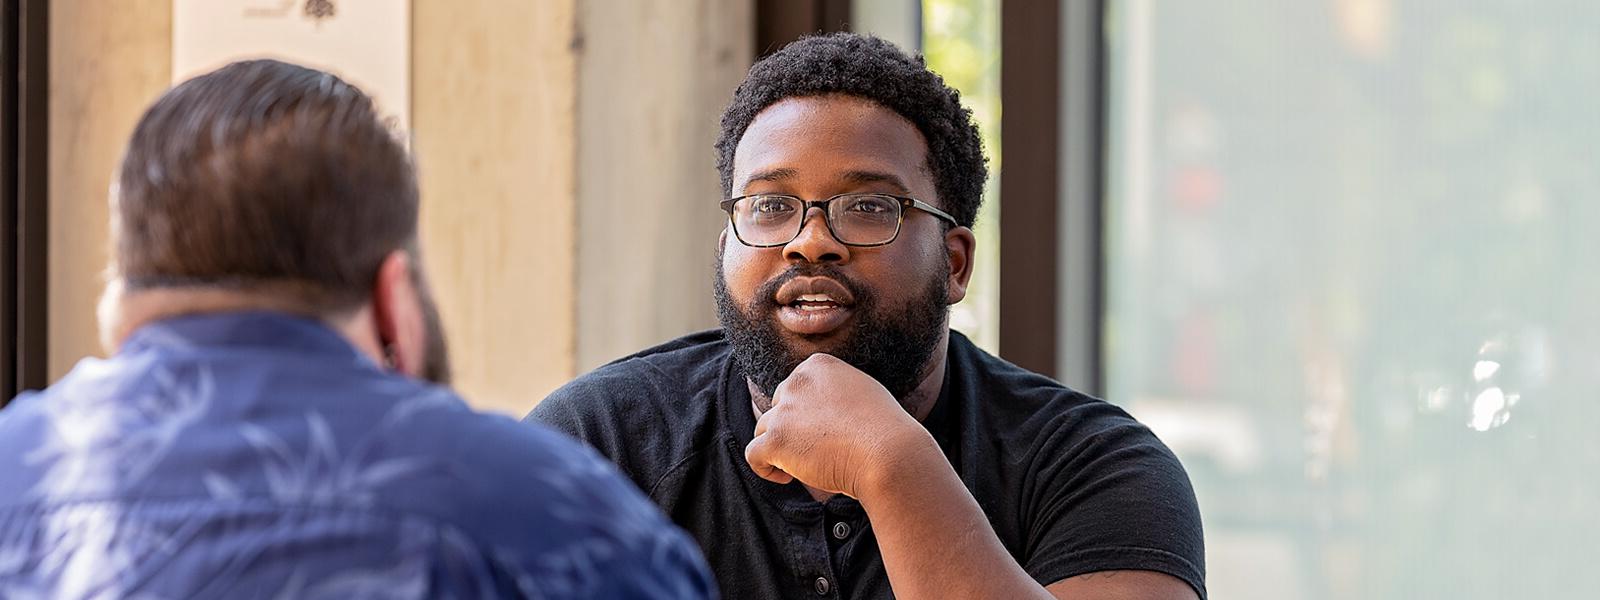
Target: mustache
{"type": "Point", "coordinates": [766, 295]}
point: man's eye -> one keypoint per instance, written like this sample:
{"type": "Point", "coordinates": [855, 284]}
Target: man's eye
{"type": "Point", "coordinates": [771, 206]}
{"type": "Point", "coordinates": [869, 206]}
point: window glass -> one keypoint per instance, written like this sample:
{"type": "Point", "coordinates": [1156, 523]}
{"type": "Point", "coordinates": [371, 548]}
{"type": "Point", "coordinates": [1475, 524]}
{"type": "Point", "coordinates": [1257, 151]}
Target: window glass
{"type": "Point", "coordinates": [1350, 280]}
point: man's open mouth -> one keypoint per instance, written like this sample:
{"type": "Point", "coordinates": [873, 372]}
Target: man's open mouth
{"type": "Point", "coordinates": [813, 305]}
{"type": "Point", "coordinates": [813, 302]}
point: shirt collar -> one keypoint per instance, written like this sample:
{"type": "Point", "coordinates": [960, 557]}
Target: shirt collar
{"type": "Point", "coordinates": [246, 329]}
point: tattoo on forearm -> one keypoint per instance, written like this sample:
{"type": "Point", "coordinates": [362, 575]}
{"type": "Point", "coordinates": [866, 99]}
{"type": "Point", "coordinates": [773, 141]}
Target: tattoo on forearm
{"type": "Point", "coordinates": [1098, 575]}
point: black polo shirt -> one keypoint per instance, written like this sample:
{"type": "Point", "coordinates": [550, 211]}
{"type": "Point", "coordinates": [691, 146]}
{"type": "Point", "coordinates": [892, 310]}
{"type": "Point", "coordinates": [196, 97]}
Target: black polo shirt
{"type": "Point", "coordinates": [1071, 484]}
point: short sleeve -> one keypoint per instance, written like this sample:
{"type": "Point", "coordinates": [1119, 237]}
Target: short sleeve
{"type": "Point", "coordinates": [1112, 499]}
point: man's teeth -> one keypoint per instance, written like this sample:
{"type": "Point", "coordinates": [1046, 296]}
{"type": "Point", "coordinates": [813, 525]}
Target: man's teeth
{"type": "Point", "coordinates": [815, 302]}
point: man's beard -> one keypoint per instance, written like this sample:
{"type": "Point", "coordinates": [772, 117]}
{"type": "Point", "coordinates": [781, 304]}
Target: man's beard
{"type": "Point", "coordinates": [891, 346]}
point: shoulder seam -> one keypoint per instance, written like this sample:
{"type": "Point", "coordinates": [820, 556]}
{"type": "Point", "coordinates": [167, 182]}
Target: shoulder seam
{"type": "Point", "coordinates": [651, 493]}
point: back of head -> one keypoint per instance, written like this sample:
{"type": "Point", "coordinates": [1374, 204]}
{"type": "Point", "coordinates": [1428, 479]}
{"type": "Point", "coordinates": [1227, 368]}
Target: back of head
{"type": "Point", "coordinates": [263, 177]}
{"type": "Point", "coordinates": [872, 69]}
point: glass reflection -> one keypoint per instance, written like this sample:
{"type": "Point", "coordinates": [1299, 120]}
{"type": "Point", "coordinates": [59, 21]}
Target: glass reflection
{"type": "Point", "coordinates": [1346, 246]}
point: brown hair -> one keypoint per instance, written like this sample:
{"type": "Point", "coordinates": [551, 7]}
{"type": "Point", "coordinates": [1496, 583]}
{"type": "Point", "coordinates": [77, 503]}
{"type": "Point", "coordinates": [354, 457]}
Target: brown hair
{"type": "Point", "coordinates": [267, 176]}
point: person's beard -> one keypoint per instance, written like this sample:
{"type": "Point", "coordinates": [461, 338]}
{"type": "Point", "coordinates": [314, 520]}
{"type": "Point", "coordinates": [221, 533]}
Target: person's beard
{"type": "Point", "coordinates": [890, 344]}
{"type": "Point", "coordinates": [436, 356]}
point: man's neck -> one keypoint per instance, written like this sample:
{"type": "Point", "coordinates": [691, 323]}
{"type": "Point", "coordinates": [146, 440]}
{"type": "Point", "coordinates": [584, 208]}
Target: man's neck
{"type": "Point", "coordinates": [122, 312]}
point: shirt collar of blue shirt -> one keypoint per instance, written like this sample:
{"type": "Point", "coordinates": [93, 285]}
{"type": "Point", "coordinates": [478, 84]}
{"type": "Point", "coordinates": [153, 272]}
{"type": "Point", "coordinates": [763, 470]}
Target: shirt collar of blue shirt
{"type": "Point", "coordinates": [265, 330]}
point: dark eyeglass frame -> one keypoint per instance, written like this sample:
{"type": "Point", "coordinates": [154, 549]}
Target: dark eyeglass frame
{"type": "Point", "coordinates": [906, 203]}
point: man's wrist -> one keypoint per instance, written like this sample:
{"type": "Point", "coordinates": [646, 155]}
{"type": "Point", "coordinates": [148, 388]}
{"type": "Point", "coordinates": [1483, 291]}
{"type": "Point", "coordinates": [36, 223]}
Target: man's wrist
{"type": "Point", "coordinates": [905, 458]}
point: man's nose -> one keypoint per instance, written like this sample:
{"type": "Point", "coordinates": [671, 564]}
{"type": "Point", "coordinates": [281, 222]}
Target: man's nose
{"type": "Point", "coordinates": [816, 243]}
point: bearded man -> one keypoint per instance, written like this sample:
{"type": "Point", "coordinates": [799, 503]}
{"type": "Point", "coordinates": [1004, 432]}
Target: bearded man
{"type": "Point", "coordinates": [834, 438]}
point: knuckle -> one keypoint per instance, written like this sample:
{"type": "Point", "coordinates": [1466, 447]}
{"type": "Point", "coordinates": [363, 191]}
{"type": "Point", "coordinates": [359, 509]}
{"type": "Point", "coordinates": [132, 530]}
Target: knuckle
{"type": "Point", "coordinates": [819, 360]}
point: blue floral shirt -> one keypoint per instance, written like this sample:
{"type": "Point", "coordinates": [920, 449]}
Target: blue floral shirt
{"type": "Point", "coordinates": [257, 455]}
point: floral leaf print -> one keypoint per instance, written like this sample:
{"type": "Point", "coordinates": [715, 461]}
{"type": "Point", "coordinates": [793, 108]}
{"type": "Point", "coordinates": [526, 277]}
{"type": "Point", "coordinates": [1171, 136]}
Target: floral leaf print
{"type": "Point", "coordinates": [86, 549]}
{"type": "Point", "coordinates": [276, 459]}
{"type": "Point", "coordinates": [378, 474]}
{"type": "Point", "coordinates": [320, 475]}
{"type": "Point", "coordinates": [577, 570]}
{"type": "Point", "coordinates": [220, 488]}
{"type": "Point", "coordinates": [402, 412]}
{"type": "Point", "coordinates": [17, 532]}
{"type": "Point", "coordinates": [433, 399]}
{"type": "Point", "coordinates": [294, 589]}
{"type": "Point", "coordinates": [321, 464]}
{"type": "Point", "coordinates": [96, 446]}
{"type": "Point", "coordinates": [406, 580]}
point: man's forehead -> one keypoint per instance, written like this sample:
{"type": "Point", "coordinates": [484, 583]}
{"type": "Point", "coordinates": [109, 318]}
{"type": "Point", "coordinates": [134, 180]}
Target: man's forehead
{"type": "Point", "coordinates": [842, 138]}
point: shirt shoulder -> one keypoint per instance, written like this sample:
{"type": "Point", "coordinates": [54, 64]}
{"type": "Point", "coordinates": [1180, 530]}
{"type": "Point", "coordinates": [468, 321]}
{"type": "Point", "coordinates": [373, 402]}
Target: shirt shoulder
{"type": "Point", "coordinates": [646, 412]}
{"type": "Point", "coordinates": [337, 458]}
{"type": "Point", "coordinates": [1104, 492]}
{"type": "Point", "coordinates": [997, 396]}
{"type": "Point", "coordinates": [552, 507]}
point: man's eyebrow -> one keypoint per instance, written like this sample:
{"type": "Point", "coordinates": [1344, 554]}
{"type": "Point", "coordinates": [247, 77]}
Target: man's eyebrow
{"type": "Point", "coordinates": [864, 177]}
{"type": "Point", "coordinates": [773, 175]}
{"type": "Point", "coordinates": [854, 177]}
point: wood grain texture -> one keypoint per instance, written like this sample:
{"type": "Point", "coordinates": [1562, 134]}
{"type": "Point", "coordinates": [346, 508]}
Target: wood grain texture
{"type": "Point", "coordinates": [108, 60]}
{"type": "Point", "coordinates": [494, 125]}
{"type": "Point", "coordinates": [653, 79]}
{"type": "Point", "coordinates": [564, 149]}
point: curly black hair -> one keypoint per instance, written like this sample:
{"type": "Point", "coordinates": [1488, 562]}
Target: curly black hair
{"type": "Point", "coordinates": [876, 70]}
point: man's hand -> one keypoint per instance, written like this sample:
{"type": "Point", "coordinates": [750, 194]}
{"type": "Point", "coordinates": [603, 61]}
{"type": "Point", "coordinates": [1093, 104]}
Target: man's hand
{"type": "Point", "coordinates": [836, 429]}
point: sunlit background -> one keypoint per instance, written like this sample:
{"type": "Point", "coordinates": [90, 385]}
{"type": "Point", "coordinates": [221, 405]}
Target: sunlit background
{"type": "Point", "coordinates": [1334, 252]}
{"type": "Point", "coordinates": [961, 41]}
{"type": "Point", "coordinates": [1346, 279]}
{"type": "Point", "coordinates": [1348, 249]}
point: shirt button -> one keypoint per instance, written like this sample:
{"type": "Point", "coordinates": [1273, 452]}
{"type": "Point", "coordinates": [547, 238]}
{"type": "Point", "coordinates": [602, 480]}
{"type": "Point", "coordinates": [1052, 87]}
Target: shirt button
{"type": "Point", "coordinates": [841, 530]}
{"type": "Point", "coordinates": [822, 586]}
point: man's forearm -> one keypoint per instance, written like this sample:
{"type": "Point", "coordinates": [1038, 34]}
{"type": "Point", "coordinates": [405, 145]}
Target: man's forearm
{"type": "Point", "coordinates": [936, 541]}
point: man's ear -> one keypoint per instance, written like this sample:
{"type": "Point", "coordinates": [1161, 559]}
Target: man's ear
{"type": "Point", "coordinates": [397, 308]}
{"type": "Point", "coordinates": [959, 245]}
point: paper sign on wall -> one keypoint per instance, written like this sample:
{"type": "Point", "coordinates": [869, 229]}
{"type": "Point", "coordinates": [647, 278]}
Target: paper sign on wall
{"type": "Point", "coordinates": [365, 42]}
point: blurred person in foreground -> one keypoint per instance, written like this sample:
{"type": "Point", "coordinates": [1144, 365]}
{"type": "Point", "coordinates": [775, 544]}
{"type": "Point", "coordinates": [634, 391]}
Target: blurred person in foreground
{"type": "Point", "coordinates": [834, 438]}
{"type": "Point", "coordinates": [272, 422]}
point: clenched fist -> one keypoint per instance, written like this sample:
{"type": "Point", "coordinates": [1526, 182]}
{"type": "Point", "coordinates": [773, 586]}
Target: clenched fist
{"type": "Point", "coordinates": [836, 429]}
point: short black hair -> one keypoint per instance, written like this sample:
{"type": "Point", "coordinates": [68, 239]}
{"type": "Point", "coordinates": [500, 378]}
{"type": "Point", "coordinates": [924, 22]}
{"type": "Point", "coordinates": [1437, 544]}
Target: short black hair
{"type": "Point", "coordinates": [264, 174]}
{"type": "Point", "coordinates": [872, 69]}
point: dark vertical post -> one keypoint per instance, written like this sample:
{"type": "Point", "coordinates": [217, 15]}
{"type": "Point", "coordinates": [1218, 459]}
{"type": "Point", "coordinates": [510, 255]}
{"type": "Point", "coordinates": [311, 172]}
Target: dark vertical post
{"type": "Point", "coordinates": [779, 22]}
{"type": "Point", "coordinates": [1030, 94]}
{"type": "Point", "coordinates": [31, 136]}
{"type": "Point", "coordinates": [8, 200]}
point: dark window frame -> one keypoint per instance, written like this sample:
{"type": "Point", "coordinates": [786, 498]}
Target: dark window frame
{"type": "Point", "coordinates": [1030, 91]}
{"type": "Point", "coordinates": [779, 22]}
{"type": "Point", "coordinates": [1052, 290]}
{"type": "Point", "coordinates": [24, 156]}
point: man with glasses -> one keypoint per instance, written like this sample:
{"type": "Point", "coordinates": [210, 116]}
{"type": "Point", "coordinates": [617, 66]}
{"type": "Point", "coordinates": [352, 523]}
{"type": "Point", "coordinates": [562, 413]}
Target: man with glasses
{"type": "Point", "coordinates": [834, 438]}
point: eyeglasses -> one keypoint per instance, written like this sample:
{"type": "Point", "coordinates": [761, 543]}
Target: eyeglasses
{"type": "Point", "coordinates": [770, 220]}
